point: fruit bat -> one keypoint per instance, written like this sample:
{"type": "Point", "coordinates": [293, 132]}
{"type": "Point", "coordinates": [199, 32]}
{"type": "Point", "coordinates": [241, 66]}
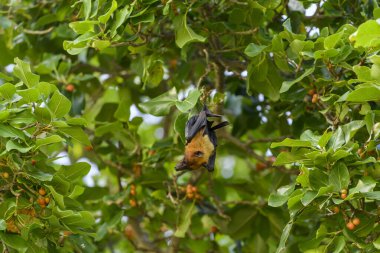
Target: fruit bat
{"type": "Point", "coordinates": [201, 142]}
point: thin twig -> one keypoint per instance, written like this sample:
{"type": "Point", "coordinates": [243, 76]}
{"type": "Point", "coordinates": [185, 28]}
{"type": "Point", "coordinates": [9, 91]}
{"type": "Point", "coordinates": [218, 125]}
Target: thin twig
{"type": "Point", "coordinates": [41, 32]}
{"type": "Point", "coordinates": [207, 69]}
{"type": "Point", "coordinates": [242, 146]}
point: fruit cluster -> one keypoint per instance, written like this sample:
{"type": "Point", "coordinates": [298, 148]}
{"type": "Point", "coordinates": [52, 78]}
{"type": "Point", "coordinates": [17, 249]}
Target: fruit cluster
{"type": "Point", "coordinates": [192, 192]}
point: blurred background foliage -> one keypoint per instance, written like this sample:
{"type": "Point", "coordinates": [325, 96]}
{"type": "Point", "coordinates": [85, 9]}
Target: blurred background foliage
{"type": "Point", "coordinates": [95, 95]}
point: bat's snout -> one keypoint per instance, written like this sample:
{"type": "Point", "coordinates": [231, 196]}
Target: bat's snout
{"type": "Point", "coordinates": [182, 165]}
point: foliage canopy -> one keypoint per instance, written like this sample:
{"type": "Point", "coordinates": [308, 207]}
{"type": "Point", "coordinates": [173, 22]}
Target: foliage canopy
{"type": "Point", "coordinates": [102, 90]}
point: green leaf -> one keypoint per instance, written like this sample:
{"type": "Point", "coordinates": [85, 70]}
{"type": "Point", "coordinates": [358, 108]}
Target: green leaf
{"type": "Point", "coordinates": [109, 128]}
{"type": "Point", "coordinates": [281, 196]}
{"type": "Point", "coordinates": [3, 225]}
{"type": "Point", "coordinates": [46, 88]}
{"type": "Point", "coordinates": [339, 243]}
{"type": "Point", "coordinates": [312, 195]}
{"type": "Point", "coordinates": [351, 128]}
{"type": "Point", "coordinates": [183, 33]}
{"type": "Point", "coordinates": [48, 140]}
{"type": "Point", "coordinates": [154, 73]}
{"type": "Point", "coordinates": [11, 145]}
{"type": "Point", "coordinates": [57, 197]}
{"type": "Point", "coordinates": [290, 143]}
{"type": "Point", "coordinates": [77, 191]}
{"type": "Point", "coordinates": [23, 72]}
{"type": "Point", "coordinates": [337, 139]}
{"type": "Point", "coordinates": [11, 132]}
{"type": "Point", "coordinates": [75, 171]}
{"type": "Point", "coordinates": [42, 114]}
{"type": "Point", "coordinates": [30, 95]}
{"type": "Point", "coordinates": [76, 133]}
{"type": "Point", "coordinates": [104, 18]}
{"type": "Point", "coordinates": [368, 34]}
{"type": "Point", "coordinates": [362, 72]}
{"type": "Point", "coordinates": [332, 40]}
{"type": "Point", "coordinates": [14, 241]}
{"type": "Point", "coordinates": [78, 220]}
{"type": "Point", "coordinates": [339, 177]}
{"type": "Point", "coordinates": [180, 124]}
{"type": "Point", "coordinates": [189, 102]}
{"type": "Point", "coordinates": [121, 17]}
{"type": "Point", "coordinates": [253, 49]}
{"type": "Point", "coordinates": [81, 27]}
{"type": "Point", "coordinates": [288, 84]}
{"type": "Point", "coordinates": [241, 222]}
{"type": "Point", "coordinates": [263, 78]}
{"type": "Point", "coordinates": [122, 112]}
{"type": "Point", "coordinates": [86, 8]}
{"type": "Point", "coordinates": [39, 174]}
{"type": "Point", "coordinates": [101, 44]}
{"type": "Point", "coordinates": [287, 157]}
{"type": "Point", "coordinates": [376, 243]}
{"type": "Point", "coordinates": [324, 139]}
{"type": "Point", "coordinates": [7, 90]}
{"type": "Point", "coordinates": [185, 220]}
{"type": "Point", "coordinates": [77, 122]}
{"type": "Point", "coordinates": [303, 177]}
{"type": "Point", "coordinates": [159, 106]}
{"type": "Point", "coordinates": [366, 184]}
{"type": "Point", "coordinates": [372, 195]}
{"type": "Point", "coordinates": [59, 105]}
{"type": "Point", "coordinates": [284, 237]}
{"type": "Point", "coordinates": [363, 94]}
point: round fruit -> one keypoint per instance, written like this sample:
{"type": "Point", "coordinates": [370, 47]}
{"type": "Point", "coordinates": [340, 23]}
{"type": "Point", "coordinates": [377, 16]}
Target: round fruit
{"type": "Point", "coordinates": [356, 221]}
{"type": "Point", "coordinates": [335, 209]}
{"type": "Point", "coordinates": [350, 225]}
{"type": "Point", "coordinates": [315, 98]}
{"type": "Point", "coordinates": [260, 166]}
{"type": "Point", "coordinates": [343, 191]}
{"type": "Point", "coordinates": [133, 192]}
{"type": "Point", "coordinates": [88, 148]}
{"type": "Point", "coordinates": [128, 232]}
{"type": "Point", "coordinates": [47, 200]}
{"type": "Point", "coordinates": [132, 202]}
{"type": "Point", "coordinates": [343, 196]}
{"type": "Point", "coordinates": [70, 88]}
{"type": "Point", "coordinates": [41, 201]}
{"type": "Point", "coordinates": [311, 92]}
{"type": "Point", "coordinates": [189, 188]}
{"type": "Point", "coordinates": [5, 175]}
{"type": "Point", "coordinates": [194, 189]}
{"type": "Point", "coordinates": [33, 162]}
{"type": "Point", "coordinates": [213, 229]}
{"type": "Point", "coordinates": [42, 191]}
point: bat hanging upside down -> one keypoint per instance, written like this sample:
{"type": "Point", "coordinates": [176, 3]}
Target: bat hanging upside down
{"type": "Point", "coordinates": [201, 142]}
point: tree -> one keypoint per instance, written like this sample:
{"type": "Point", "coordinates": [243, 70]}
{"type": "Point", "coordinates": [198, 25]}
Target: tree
{"type": "Point", "coordinates": [296, 171]}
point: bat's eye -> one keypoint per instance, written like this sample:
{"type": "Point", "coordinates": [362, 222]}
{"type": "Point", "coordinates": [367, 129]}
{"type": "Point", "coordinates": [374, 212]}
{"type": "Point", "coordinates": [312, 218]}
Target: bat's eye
{"type": "Point", "coordinates": [198, 153]}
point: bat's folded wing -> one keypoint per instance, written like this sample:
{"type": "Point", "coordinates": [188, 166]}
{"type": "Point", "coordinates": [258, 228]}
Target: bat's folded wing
{"type": "Point", "coordinates": [194, 125]}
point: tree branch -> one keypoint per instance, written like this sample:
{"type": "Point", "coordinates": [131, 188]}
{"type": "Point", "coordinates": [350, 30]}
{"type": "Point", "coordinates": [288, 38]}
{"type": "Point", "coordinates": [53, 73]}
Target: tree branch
{"type": "Point", "coordinates": [243, 146]}
{"type": "Point", "coordinates": [141, 241]}
{"type": "Point", "coordinates": [41, 32]}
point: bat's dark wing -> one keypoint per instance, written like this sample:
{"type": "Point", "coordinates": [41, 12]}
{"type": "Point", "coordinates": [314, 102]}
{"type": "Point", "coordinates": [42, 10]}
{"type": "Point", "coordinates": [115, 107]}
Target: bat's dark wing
{"type": "Point", "coordinates": [194, 125]}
